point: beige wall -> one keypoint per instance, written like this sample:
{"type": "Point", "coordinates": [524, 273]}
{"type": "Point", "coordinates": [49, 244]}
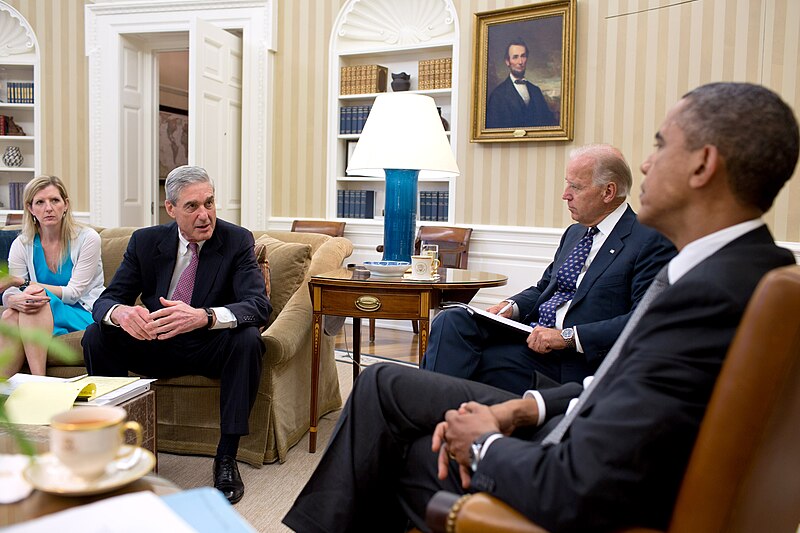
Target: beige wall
{"type": "Point", "coordinates": [635, 59]}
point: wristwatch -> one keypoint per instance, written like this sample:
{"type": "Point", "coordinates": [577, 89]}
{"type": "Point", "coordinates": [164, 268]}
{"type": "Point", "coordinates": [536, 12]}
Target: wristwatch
{"type": "Point", "coordinates": [568, 334]}
{"type": "Point", "coordinates": [210, 315]}
{"type": "Point", "coordinates": [475, 450]}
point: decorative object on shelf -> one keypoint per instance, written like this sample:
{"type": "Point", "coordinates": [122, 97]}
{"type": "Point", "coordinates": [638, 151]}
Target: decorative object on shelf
{"type": "Point", "coordinates": [524, 51]}
{"type": "Point", "coordinates": [12, 157]}
{"type": "Point", "coordinates": [445, 124]}
{"type": "Point", "coordinates": [9, 127]}
{"type": "Point", "coordinates": [401, 82]}
{"type": "Point", "coordinates": [402, 140]}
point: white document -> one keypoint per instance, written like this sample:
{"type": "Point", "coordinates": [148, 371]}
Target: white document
{"type": "Point", "coordinates": [485, 314]}
{"type": "Point", "coordinates": [129, 513]}
{"type": "Point", "coordinates": [121, 394]}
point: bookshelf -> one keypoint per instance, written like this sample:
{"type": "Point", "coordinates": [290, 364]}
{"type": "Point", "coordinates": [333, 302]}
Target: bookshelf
{"type": "Point", "coordinates": [19, 98]}
{"type": "Point", "coordinates": [386, 42]}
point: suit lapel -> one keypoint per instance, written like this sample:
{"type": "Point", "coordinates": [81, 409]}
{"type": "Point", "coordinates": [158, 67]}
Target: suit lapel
{"type": "Point", "coordinates": [207, 269]}
{"type": "Point", "coordinates": [574, 234]}
{"type": "Point", "coordinates": [611, 249]}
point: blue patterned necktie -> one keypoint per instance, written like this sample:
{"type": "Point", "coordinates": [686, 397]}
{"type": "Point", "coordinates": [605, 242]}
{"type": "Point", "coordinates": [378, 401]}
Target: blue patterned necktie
{"type": "Point", "coordinates": [566, 279]}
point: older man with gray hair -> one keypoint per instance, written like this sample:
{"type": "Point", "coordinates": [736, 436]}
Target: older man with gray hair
{"type": "Point", "coordinates": [601, 270]}
{"type": "Point", "coordinates": [204, 299]}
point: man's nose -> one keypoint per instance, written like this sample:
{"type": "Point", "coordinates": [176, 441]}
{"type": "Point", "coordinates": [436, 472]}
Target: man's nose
{"type": "Point", "coordinates": [645, 166]}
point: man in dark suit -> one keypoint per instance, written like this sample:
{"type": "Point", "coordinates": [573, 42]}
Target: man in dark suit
{"type": "Point", "coordinates": [617, 459]}
{"type": "Point", "coordinates": [516, 102]}
{"type": "Point", "coordinates": [204, 300]}
{"type": "Point", "coordinates": [574, 330]}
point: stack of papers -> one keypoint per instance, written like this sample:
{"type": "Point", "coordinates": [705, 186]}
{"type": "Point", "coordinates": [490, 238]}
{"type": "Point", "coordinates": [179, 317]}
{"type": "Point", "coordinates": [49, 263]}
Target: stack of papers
{"type": "Point", "coordinates": [35, 399]}
{"type": "Point", "coordinates": [192, 511]}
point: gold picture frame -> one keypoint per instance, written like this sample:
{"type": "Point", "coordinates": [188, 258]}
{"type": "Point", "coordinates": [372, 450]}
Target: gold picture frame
{"type": "Point", "coordinates": [541, 39]}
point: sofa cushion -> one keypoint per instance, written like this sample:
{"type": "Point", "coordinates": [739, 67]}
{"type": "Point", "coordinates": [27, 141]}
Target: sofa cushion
{"type": "Point", "coordinates": [112, 249]}
{"type": "Point", "coordinates": [288, 263]}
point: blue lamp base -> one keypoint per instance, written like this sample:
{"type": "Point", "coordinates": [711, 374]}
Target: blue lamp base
{"type": "Point", "coordinates": [400, 214]}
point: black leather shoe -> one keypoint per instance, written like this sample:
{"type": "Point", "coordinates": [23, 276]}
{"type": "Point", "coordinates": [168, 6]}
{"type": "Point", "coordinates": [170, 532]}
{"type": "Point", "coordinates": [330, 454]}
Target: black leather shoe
{"type": "Point", "coordinates": [227, 479]}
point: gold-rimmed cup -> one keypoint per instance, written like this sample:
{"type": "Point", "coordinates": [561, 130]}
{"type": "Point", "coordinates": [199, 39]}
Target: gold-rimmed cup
{"type": "Point", "coordinates": [87, 439]}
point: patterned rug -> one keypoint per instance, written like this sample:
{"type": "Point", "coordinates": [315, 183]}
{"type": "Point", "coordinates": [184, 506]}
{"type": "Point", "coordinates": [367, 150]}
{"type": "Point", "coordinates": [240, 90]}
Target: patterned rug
{"type": "Point", "coordinates": [367, 359]}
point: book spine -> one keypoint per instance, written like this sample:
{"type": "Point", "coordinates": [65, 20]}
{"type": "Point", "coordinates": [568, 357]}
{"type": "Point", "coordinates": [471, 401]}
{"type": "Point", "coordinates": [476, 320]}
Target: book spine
{"type": "Point", "coordinates": [340, 204]}
{"type": "Point", "coordinates": [369, 204]}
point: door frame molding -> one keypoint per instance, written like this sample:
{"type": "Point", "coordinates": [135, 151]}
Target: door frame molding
{"type": "Point", "coordinates": [108, 20]}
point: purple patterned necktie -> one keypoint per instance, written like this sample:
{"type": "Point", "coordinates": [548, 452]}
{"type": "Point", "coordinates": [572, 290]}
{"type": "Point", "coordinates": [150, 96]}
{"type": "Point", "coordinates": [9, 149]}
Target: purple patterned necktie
{"type": "Point", "coordinates": [566, 279]}
{"type": "Point", "coordinates": [185, 286]}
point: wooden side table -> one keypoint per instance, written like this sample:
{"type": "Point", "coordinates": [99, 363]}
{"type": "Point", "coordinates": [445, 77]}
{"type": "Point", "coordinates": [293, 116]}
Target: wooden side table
{"type": "Point", "coordinates": [336, 293]}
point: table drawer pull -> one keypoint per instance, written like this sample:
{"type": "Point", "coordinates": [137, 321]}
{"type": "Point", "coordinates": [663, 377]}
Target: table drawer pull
{"type": "Point", "coordinates": [368, 303]}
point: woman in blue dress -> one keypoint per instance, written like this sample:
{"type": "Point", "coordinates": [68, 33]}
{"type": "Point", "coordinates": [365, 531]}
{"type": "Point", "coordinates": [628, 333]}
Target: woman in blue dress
{"type": "Point", "coordinates": [59, 261]}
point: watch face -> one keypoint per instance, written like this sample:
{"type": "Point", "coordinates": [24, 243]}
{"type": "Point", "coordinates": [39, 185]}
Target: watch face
{"type": "Point", "coordinates": [567, 333]}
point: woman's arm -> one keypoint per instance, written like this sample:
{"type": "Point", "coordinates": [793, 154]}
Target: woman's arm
{"type": "Point", "coordinates": [84, 270]}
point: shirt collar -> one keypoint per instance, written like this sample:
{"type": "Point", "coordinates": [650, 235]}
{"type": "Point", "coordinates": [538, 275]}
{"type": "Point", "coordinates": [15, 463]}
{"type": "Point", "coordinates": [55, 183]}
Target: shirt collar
{"type": "Point", "coordinates": [183, 244]}
{"type": "Point", "coordinates": [607, 225]}
{"type": "Point", "coordinates": [700, 249]}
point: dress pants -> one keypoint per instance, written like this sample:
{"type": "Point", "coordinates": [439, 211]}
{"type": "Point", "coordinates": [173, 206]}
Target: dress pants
{"type": "Point", "coordinates": [234, 356]}
{"type": "Point", "coordinates": [378, 470]}
{"type": "Point", "coordinates": [464, 346]}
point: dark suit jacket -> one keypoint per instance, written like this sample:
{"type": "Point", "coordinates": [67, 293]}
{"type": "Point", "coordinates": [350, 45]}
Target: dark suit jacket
{"type": "Point", "coordinates": [227, 274]}
{"type": "Point", "coordinates": [623, 458]}
{"type": "Point", "coordinates": [610, 290]}
{"type": "Point", "coordinates": [506, 108]}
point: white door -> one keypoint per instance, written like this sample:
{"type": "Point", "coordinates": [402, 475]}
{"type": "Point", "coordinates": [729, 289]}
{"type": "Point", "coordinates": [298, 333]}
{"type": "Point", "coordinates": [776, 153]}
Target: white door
{"type": "Point", "coordinates": [215, 112]}
{"type": "Point", "coordinates": [135, 124]}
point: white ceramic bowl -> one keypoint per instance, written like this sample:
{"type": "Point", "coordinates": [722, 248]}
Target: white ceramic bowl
{"type": "Point", "coordinates": [387, 269]}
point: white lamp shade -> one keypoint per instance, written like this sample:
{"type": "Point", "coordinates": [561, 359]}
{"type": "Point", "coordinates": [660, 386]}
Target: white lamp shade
{"type": "Point", "coordinates": [403, 131]}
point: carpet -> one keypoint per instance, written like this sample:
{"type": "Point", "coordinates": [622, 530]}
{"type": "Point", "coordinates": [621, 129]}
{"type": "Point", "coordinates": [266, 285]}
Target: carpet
{"type": "Point", "coordinates": [271, 489]}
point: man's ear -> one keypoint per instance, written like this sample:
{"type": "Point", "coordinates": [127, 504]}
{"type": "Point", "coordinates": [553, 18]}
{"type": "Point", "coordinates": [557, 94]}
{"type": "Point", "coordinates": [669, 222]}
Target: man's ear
{"type": "Point", "coordinates": [170, 208]}
{"type": "Point", "coordinates": [609, 192]}
{"type": "Point", "coordinates": [706, 162]}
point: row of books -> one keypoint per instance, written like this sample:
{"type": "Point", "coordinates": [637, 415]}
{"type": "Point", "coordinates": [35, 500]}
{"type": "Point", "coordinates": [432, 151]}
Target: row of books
{"type": "Point", "coordinates": [19, 92]}
{"type": "Point", "coordinates": [352, 118]}
{"type": "Point", "coordinates": [363, 79]}
{"type": "Point", "coordinates": [433, 205]}
{"type": "Point", "coordinates": [355, 204]}
{"type": "Point", "coordinates": [15, 189]}
{"type": "Point", "coordinates": [435, 73]}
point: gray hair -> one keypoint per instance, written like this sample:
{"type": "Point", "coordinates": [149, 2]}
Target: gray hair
{"type": "Point", "coordinates": [182, 176]}
{"type": "Point", "coordinates": [609, 165]}
{"type": "Point", "coordinates": [754, 131]}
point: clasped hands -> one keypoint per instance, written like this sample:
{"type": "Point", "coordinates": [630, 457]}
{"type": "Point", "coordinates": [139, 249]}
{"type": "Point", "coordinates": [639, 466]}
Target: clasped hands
{"type": "Point", "coordinates": [174, 318]}
{"type": "Point", "coordinates": [453, 438]}
{"type": "Point", "coordinates": [30, 301]}
{"type": "Point", "coordinates": [541, 339]}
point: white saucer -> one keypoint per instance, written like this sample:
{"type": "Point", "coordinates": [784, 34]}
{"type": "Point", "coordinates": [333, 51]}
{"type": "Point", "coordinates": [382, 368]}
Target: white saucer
{"type": "Point", "coordinates": [47, 474]}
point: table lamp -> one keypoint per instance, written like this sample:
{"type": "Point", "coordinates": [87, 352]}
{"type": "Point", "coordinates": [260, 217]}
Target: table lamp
{"type": "Point", "coordinates": [402, 140]}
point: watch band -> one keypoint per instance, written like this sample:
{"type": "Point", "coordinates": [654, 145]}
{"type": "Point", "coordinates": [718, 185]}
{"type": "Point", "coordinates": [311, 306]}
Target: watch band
{"type": "Point", "coordinates": [210, 315]}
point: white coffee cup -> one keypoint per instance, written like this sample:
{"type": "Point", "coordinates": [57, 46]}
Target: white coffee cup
{"type": "Point", "coordinates": [423, 266]}
{"type": "Point", "coordinates": [87, 439]}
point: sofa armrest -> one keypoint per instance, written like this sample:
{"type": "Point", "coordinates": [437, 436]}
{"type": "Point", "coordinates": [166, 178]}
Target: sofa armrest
{"type": "Point", "coordinates": [291, 328]}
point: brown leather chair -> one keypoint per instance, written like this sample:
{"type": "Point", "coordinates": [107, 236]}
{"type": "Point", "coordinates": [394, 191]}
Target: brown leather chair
{"type": "Point", "coordinates": [743, 471]}
{"type": "Point", "coordinates": [326, 227]}
{"type": "Point", "coordinates": [453, 253]}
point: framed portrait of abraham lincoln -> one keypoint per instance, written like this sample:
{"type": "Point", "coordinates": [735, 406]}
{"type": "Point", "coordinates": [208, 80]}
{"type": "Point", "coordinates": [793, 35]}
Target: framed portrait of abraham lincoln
{"type": "Point", "coordinates": [523, 73]}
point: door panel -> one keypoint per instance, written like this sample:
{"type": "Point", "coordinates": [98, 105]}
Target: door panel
{"type": "Point", "coordinates": [215, 110]}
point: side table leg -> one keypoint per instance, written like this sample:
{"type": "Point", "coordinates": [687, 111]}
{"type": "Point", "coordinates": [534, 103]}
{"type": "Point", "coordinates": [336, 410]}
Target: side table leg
{"type": "Point", "coordinates": [423, 339]}
{"type": "Point", "coordinates": [356, 346]}
{"type": "Point", "coordinates": [315, 350]}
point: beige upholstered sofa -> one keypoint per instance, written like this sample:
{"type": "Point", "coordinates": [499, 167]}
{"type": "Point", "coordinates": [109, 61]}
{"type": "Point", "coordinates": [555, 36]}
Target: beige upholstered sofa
{"type": "Point", "coordinates": [188, 407]}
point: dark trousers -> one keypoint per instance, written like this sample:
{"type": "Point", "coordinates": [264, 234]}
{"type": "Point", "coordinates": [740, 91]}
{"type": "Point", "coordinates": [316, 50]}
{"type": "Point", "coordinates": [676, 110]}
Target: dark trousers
{"type": "Point", "coordinates": [468, 347]}
{"type": "Point", "coordinates": [378, 469]}
{"type": "Point", "coordinates": [234, 356]}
